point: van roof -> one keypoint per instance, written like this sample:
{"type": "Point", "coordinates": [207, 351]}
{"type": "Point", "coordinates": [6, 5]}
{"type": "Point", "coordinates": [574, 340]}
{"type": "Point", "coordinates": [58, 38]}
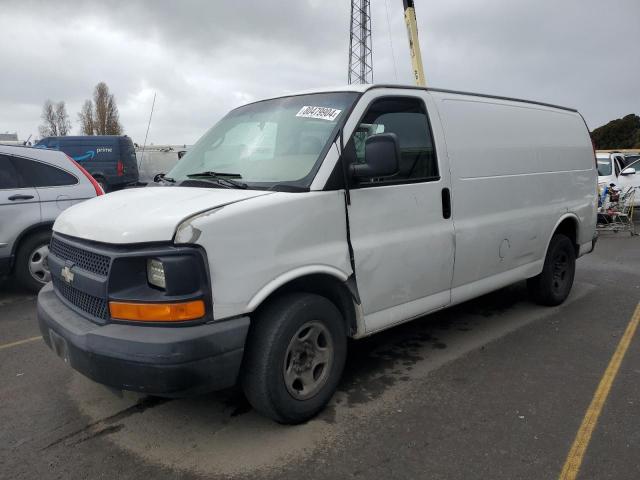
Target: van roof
{"type": "Point", "coordinates": [89, 137]}
{"type": "Point", "coordinates": [361, 88]}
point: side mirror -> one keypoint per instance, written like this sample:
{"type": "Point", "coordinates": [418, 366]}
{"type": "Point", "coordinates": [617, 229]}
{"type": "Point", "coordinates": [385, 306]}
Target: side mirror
{"type": "Point", "coordinates": [381, 156]}
{"type": "Point", "coordinates": [628, 171]}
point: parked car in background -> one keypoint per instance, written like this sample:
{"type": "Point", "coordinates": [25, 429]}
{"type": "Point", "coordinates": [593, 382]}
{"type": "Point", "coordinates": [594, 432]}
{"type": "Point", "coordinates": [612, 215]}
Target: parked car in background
{"type": "Point", "coordinates": [110, 159]}
{"type": "Point", "coordinates": [155, 159]}
{"type": "Point", "coordinates": [35, 186]}
{"type": "Point", "coordinates": [623, 171]}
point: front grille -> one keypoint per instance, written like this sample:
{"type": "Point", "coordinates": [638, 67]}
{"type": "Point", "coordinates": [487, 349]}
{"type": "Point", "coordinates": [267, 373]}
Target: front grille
{"type": "Point", "coordinates": [89, 261]}
{"type": "Point", "coordinates": [94, 306]}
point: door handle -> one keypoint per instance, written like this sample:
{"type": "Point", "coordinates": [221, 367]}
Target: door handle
{"type": "Point", "coordinates": [446, 203]}
{"type": "Point", "coordinates": [13, 198]}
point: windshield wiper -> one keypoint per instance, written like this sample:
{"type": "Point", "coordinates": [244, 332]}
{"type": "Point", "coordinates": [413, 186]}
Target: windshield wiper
{"type": "Point", "coordinates": [221, 178]}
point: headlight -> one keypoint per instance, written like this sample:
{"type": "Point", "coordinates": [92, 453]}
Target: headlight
{"type": "Point", "coordinates": [155, 273]}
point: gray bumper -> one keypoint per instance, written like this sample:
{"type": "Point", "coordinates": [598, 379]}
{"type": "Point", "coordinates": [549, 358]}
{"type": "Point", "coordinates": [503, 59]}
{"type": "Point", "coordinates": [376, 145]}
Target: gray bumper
{"type": "Point", "coordinates": [163, 361]}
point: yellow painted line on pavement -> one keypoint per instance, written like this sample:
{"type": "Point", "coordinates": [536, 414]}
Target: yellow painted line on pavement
{"type": "Point", "coordinates": [581, 442]}
{"type": "Point", "coordinates": [19, 342]}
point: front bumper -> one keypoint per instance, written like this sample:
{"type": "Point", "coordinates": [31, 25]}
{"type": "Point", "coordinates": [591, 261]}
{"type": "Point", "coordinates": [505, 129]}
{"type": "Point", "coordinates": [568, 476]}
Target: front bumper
{"type": "Point", "coordinates": [163, 361]}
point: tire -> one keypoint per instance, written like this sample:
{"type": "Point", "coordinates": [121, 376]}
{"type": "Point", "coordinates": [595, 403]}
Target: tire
{"type": "Point", "coordinates": [283, 373]}
{"type": "Point", "coordinates": [31, 268]}
{"type": "Point", "coordinates": [103, 184]}
{"type": "Point", "coordinates": [553, 285]}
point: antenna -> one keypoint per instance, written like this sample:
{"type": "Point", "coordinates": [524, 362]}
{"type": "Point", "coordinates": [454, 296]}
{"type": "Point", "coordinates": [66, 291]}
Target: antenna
{"type": "Point", "coordinates": [147, 134]}
{"type": "Point", "coordinates": [360, 49]}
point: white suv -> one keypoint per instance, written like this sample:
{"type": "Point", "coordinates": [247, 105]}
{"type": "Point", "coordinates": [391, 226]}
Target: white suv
{"type": "Point", "coordinates": [35, 186]}
{"type": "Point", "coordinates": [621, 170]}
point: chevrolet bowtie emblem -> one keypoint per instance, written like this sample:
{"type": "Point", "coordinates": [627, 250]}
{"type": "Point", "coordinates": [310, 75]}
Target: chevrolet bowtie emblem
{"type": "Point", "coordinates": [67, 274]}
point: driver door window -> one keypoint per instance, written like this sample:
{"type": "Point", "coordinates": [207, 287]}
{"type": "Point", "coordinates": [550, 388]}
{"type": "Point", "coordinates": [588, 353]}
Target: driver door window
{"type": "Point", "coordinates": [407, 118]}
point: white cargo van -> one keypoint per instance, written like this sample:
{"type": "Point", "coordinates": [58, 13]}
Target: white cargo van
{"type": "Point", "coordinates": [300, 221]}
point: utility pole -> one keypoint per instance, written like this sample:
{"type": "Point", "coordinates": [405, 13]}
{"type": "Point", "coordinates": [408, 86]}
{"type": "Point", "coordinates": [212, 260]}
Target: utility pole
{"type": "Point", "coordinates": [414, 42]}
{"type": "Point", "coordinates": [360, 48]}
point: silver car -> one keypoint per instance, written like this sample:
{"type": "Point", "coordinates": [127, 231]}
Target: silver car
{"type": "Point", "coordinates": [35, 186]}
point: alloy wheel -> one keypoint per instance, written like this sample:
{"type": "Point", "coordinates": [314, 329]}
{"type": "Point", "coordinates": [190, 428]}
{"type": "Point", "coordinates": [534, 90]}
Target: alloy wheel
{"type": "Point", "coordinates": [39, 265]}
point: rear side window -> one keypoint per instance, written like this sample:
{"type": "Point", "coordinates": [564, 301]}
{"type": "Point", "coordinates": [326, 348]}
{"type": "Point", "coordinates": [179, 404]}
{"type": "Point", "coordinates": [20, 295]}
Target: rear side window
{"type": "Point", "coordinates": [9, 177]}
{"type": "Point", "coordinates": [407, 118]}
{"type": "Point", "coordinates": [38, 174]}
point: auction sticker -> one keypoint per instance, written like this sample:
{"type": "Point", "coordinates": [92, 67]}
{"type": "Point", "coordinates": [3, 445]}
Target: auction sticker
{"type": "Point", "coordinates": [321, 113]}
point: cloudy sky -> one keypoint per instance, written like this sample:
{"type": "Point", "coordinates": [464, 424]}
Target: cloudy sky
{"type": "Point", "coordinates": [204, 57]}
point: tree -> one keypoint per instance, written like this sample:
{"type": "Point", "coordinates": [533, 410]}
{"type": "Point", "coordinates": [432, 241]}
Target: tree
{"type": "Point", "coordinates": [618, 134]}
{"type": "Point", "coordinates": [100, 116]}
{"type": "Point", "coordinates": [55, 118]}
{"type": "Point", "coordinates": [85, 117]}
{"type": "Point", "coordinates": [62, 119]}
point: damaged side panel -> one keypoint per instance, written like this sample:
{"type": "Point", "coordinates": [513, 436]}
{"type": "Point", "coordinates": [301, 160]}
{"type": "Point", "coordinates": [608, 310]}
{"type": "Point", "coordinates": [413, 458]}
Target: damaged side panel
{"type": "Point", "coordinates": [255, 247]}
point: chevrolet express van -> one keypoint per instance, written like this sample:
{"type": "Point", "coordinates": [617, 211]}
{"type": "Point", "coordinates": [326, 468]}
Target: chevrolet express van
{"type": "Point", "coordinates": [298, 222]}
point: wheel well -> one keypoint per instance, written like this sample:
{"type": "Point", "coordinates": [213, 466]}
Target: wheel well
{"type": "Point", "coordinates": [40, 227]}
{"type": "Point", "coordinates": [569, 228]}
{"type": "Point", "coordinates": [327, 286]}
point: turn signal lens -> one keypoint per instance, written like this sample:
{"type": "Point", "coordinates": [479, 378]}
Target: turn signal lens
{"type": "Point", "coordinates": [157, 312]}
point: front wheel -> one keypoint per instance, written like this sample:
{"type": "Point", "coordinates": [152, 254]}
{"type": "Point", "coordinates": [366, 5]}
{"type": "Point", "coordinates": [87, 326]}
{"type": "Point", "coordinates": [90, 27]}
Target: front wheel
{"type": "Point", "coordinates": [32, 261]}
{"type": "Point", "coordinates": [295, 354]}
{"type": "Point", "coordinates": [554, 283]}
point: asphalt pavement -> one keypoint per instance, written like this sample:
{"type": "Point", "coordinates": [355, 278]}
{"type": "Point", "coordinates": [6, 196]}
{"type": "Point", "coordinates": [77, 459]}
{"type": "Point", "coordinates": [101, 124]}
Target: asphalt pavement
{"type": "Point", "coordinates": [496, 388]}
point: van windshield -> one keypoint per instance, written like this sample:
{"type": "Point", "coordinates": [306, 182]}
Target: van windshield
{"type": "Point", "coordinates": [269, 143]}
{"type": "Point", "coordinates": [604, 167]}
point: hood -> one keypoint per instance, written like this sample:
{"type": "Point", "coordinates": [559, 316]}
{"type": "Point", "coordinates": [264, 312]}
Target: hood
{"type": "Point", "coordinates": [148, 214]}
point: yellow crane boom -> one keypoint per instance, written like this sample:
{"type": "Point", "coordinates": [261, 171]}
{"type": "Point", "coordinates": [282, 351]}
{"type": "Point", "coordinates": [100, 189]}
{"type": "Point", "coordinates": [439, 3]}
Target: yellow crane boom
{"type": "Point", "coordinates": [414, 42]}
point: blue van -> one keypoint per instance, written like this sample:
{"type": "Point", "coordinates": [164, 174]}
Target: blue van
{"type": "Point", "coordinates": [110, 159]}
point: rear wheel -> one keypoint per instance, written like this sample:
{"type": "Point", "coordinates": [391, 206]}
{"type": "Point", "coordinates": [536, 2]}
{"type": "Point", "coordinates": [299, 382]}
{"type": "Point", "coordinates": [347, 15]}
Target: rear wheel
{"type": "Point", "coordinates": [554, 283]}
{"type": "Point", "coordinates": [295, 354]}
{"type": "Point", "coordinates": [32, 261]}
{"type": "Point", "coordinates": [103, 183]}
